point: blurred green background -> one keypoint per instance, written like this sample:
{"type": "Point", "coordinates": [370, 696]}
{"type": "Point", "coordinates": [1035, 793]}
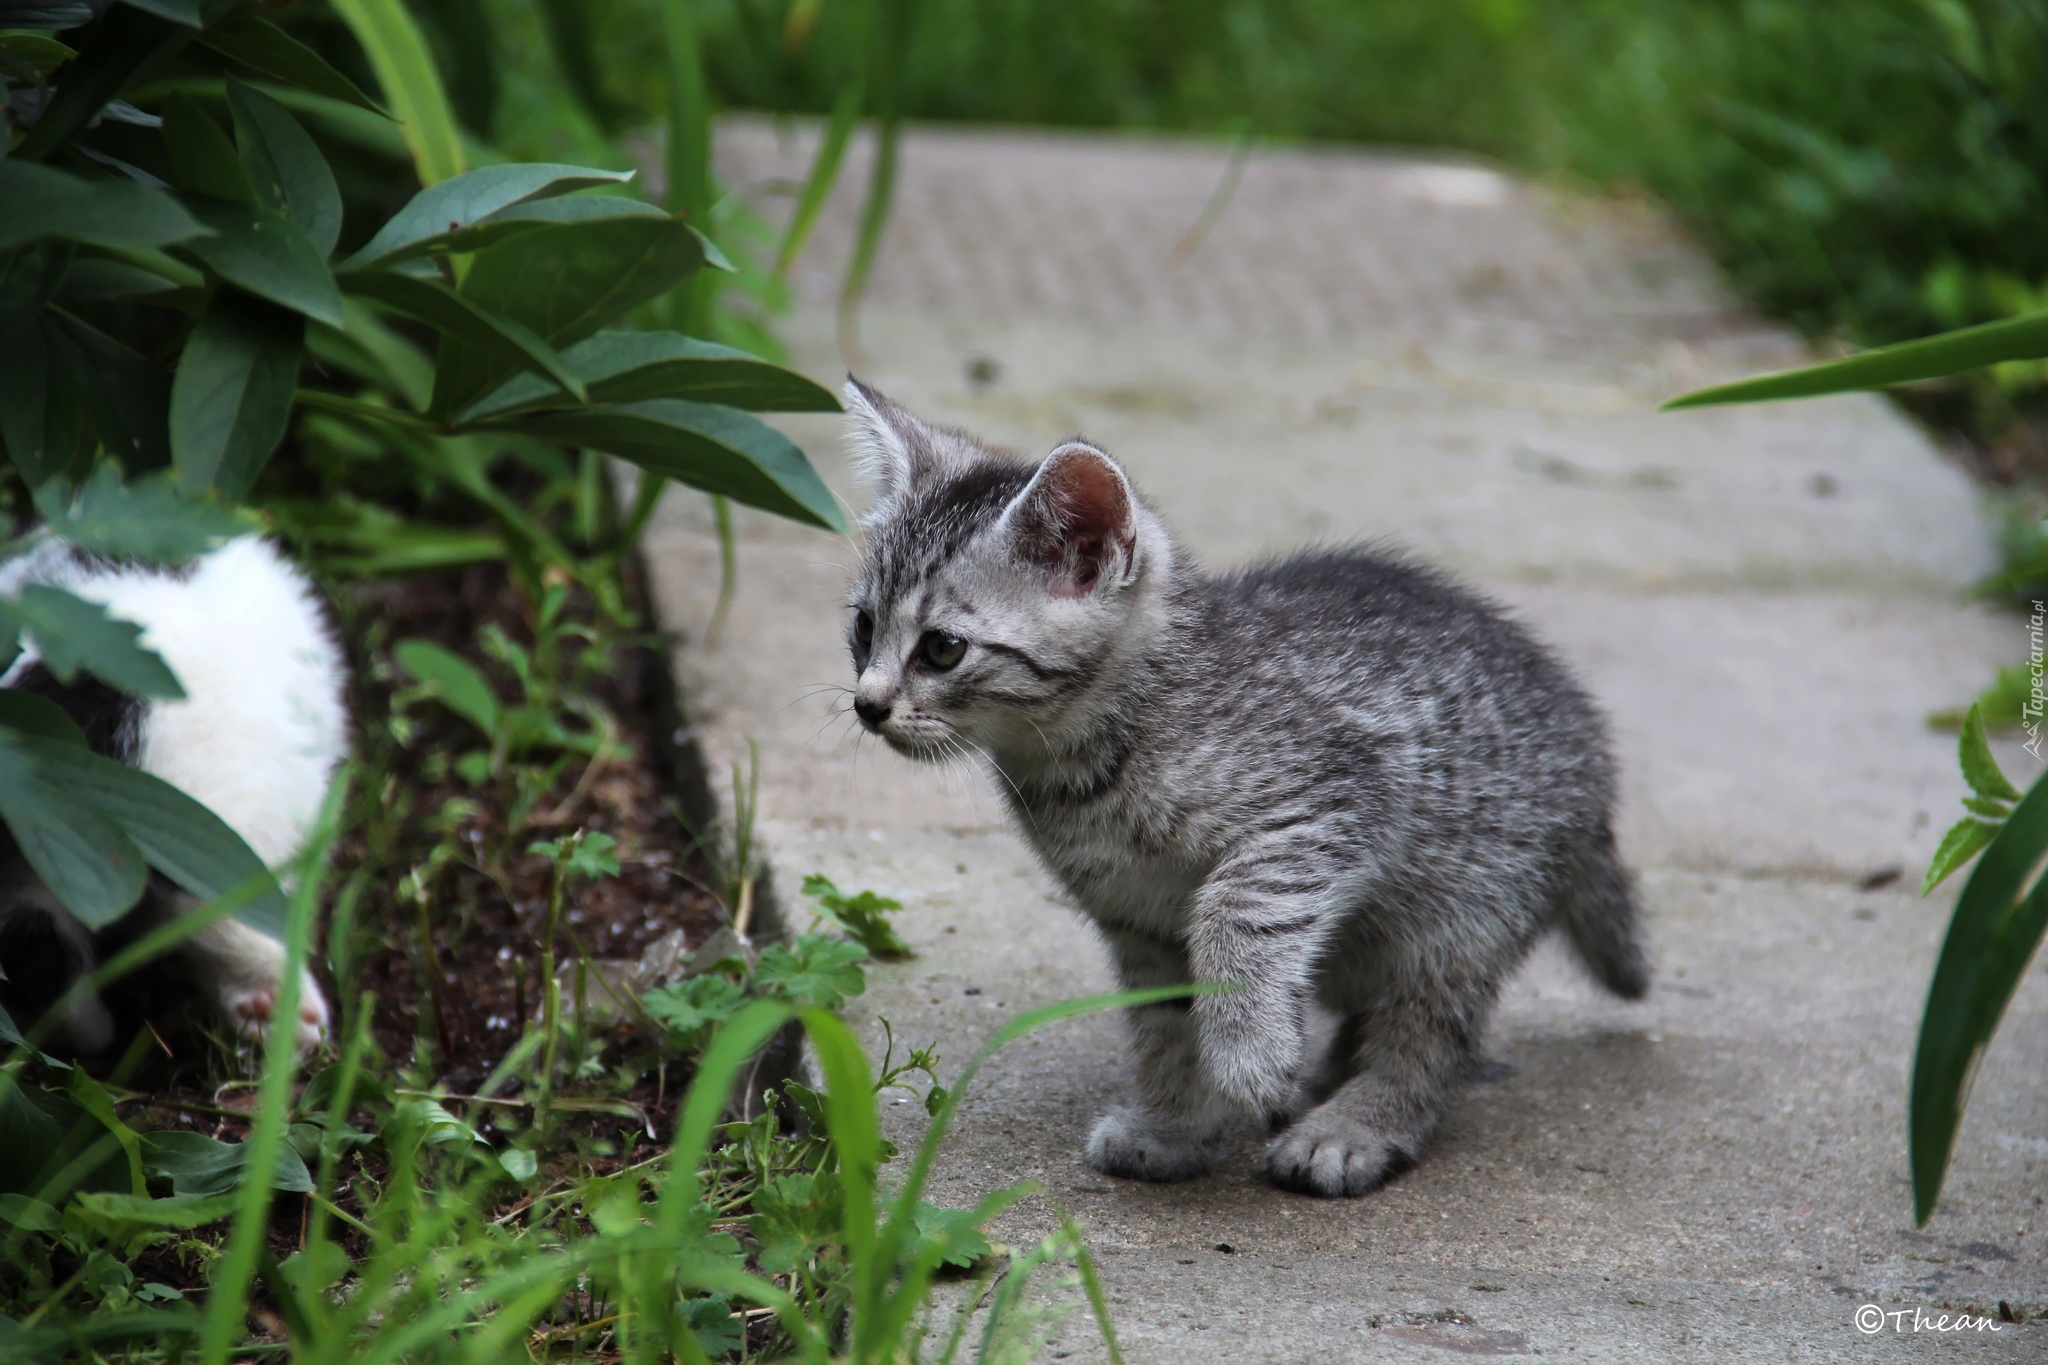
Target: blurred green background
{"type": "Point", "coordinates": [1871, 170]}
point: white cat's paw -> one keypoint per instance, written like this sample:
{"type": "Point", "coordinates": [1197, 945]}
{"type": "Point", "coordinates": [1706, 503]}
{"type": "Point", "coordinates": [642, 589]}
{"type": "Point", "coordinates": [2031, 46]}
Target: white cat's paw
{"type": "Point", "coordinates": [1334, 1155]}
{"type": "Point", "coordinates": [250, 1009]}
{"type": "Point", "coordinates": [1137, 1146]}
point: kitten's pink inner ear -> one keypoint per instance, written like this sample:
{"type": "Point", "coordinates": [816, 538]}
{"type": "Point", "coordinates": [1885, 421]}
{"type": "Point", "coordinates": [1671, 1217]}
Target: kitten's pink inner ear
{"type": "Point", "coordinates": [1083, 515]}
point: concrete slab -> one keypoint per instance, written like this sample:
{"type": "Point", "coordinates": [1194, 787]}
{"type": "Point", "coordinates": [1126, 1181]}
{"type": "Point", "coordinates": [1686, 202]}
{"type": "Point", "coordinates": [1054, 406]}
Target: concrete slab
{"type": "Point", "coordinates": [1767, 601]}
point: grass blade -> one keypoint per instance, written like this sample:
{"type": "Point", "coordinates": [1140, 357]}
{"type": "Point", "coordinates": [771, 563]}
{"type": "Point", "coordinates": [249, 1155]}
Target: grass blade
{"type": "Point", "coordinates": [818, 183]}
{"type": "Point", "coordinates": [412, 88]}
{"type": "Point", "coordinates": [227, 1301]}
{"type": "Point", "coordinates": [1935, 357]}
{"type": "Point", "coordinates": [1991, 938]}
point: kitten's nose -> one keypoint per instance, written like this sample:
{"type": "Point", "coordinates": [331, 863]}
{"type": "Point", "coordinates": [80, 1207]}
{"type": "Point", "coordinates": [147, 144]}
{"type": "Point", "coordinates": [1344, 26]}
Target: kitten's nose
{"type": "Point", "coordinates": [871, 712]}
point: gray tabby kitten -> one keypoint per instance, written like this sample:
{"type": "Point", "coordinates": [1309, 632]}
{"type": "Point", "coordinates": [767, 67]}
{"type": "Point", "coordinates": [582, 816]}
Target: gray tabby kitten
{"type": "Point", "coordinates": [1337, 781]}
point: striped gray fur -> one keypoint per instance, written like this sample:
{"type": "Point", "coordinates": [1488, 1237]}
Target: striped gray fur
{"type": "Point", "coordinates": [1340, 783]}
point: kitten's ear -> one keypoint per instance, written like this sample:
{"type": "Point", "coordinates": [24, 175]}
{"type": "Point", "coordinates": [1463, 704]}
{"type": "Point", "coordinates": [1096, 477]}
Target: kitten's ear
{"type": "Point", "coordinates": [893, 449]}
{"type": "Point", "coordinates": [1077, 518]}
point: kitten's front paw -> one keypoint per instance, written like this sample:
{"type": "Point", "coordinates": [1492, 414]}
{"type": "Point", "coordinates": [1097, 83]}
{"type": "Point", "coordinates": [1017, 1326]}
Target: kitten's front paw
{"type": "Point", "coordinates": [1332, 1155]}
{"type": "Point", "coordinates": [1138, 1146]}
{"type": "Point", "coordinates": [250, 1009]}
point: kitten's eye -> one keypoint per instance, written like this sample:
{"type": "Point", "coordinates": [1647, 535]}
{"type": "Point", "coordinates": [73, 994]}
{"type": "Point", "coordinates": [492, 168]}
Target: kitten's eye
{"type": "Point", "coordinates": [941, 650]}
{"type": "Point", "coordinates": [863, 631]}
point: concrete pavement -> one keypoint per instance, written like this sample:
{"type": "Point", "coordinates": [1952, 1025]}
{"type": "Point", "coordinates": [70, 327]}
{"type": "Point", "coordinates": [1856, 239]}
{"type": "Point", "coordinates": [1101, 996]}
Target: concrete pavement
{"type": "Point", "coordinates": [1768, 601]}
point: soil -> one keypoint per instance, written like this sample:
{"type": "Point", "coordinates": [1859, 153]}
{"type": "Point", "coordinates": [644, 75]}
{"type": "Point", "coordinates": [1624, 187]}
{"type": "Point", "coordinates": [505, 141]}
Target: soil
{"type": "Point", "coordinates": [455, 1012]}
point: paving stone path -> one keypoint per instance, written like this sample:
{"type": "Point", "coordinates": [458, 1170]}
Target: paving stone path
{"type": "Point", "coordinates": [1768, 601]}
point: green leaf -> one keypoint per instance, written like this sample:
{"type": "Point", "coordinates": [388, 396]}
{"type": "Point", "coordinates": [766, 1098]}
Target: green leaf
{"type": "Point", "coordinates": [398, 54]}
{"type": "Point", "coordinates": [232, 395]}
{"type": "Point", "coordinates": [203, 159]}
{"type": "Point", "coordinates": [705, 445]}
{"type": "Point", "coordinates": [30, 1215]}
{"type": "Point", "coordinates": [262, 46]}
{"type": "Point", "coordinates": [148, 518]}
{"type": "Point", "coordinates": [625, 367]}
{"type": "Point", "coordinates": [1935, 357]}
{"type": "Point", "coordinates": [477, 330]}
{"type": "Point", "coordinates": [863, 918]}
{"type": "Point", "coordinates": [127, 397]}
{"type": "Point", "coordinates": [1980, 769]}
{"type": "Point", "coordinates": [818, 971]}
{"type": "Point", "coordinates": [953, 1234]}
{"type": "Point", "coordinates": [1992, 937]}
{"type": "Point", "coordinates": [177, 835]}
{"type": "Point", "coordinates": [39, 201]}
{"type": "Point", "coordinates": [73, 634]}
{"type": "Point", "coordinates": [183, 1212]}
{"type": "Point", "coordinates": [36, 715]}
{"type": "Point", "coordinates": [38, 52]}
{"type": "Point", "coordinates": [564, 282]}
{"type": "Point", "coordinates": [693, 1008]}
{"type": "Point", "coordinates": [121, 47]}
{"type": "Point", "coordinates": [285, 169]}
{"type": "Point", "coordinates": [260, 250]}
{"type": "Point", "coordinates": [458, 685]}
{"type": "Point", "coordinates": [39, 421]}
{"type": "Point", "coordinates": [187, 12]}
{"type": "Point", "coordinates": [200, 1167]}
{"type": "Point", "coordinates": [521, 217]}
{"type": "Point", "coordinates": [87, 863]}
{"type": "Point", "coordinates": [455, 204]}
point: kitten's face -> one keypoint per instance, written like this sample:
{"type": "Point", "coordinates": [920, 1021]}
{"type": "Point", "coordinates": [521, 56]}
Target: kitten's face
{"type": "Point", "coordinates": [992, 593]}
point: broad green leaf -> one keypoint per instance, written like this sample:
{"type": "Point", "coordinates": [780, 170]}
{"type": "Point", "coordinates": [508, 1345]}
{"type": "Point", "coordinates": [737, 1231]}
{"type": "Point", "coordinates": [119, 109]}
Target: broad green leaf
{"type": "Point", "coordinates": [30, 1215]}
{"type": "Point", "coordinates": [126, 397]}
{"type": "Point", "coordinates": [180, 1212]}
{"type": "Point", "coordinates": [34, 715]}
{"type": "Point", "coordinates": [1980, 769]}
{"type": "Point", "coordinates": [93, 279]}
{"type": "Point", "coordinates": [457, 203]}
{"type": "Point", "coordinates": [475, 329]}
{"type": "Point", "coordinates": [51, 1145]}
{"type": "Point", "coordinates": [87, 863]}
{"type": "Point", "coordinates": [564, 282]}
{"type": "Point", "coordinates": [39, 201]}
{"type": "Point", "coordinates": [398, 54]}
{"type": "Point", "coordinates": [57, 14]}
{"type": "Point", "coordinates": [39, 421]}
{"type": "Point", "coordinates": [707, 446]}
{"type": "Point", "coordinates": [625, 367]}
{"type": "Point", "coordinates": [524, 216]}
{"type": "Point", "coordinates": [285, 168]}
{"type": "Point", "coordinates": [1935, 357]}
{"type": "Point", "coordinates": [73, 634]}
{"type": "Point", "coordinates": [232, 395]}
{"type": "Point", "coordinates": [190, 13]}
{"type": "Point", "coordinates": [262, 46]}
{"type": "Point", "coordinates": [373, 351]}
{"type": "Point", "coordinates": [203, 159]}
{"type": "Point", "coordinates": [148, 518]}
{"type": "Point", "coordinates": [38, 52]}
{"type": "Point", "coordinates": [200, 1167]}
{"type": "Point", "coordinates": [260, 250]}
{"type": "Point", "coordinates": [455, 681]}
{"type": "Point", "coordinates": [1992, 937]}
{"type": "Point", "coordinates": [120, 47]}
{"type": "Point", "coordinates": [179, 837]}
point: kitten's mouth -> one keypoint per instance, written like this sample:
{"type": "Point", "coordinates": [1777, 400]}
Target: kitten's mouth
{"type": "Point", "coordinates": [925, 744]}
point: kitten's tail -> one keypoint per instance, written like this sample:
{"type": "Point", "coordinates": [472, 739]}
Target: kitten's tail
{"type": "Point", "coordinates": [1596, 908]}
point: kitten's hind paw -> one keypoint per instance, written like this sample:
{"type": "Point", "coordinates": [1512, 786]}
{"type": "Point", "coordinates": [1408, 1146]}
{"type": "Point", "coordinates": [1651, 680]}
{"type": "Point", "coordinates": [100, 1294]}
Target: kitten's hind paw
{"type": "Point", "coordinates": [1334, 1156]}
{"type": "Point", "coordinates": [1138, 1146]}
{"type": "Point", "coordinates": [251, 1009]}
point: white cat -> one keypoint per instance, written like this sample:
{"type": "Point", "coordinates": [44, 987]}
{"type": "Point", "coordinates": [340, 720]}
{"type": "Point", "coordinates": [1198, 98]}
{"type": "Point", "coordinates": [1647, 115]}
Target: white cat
{"type": "Point", "coordinates": [256, 739]}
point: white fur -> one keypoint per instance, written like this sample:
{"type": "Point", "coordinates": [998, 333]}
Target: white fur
{"type": "Point", "coordinates": [256, 737]}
